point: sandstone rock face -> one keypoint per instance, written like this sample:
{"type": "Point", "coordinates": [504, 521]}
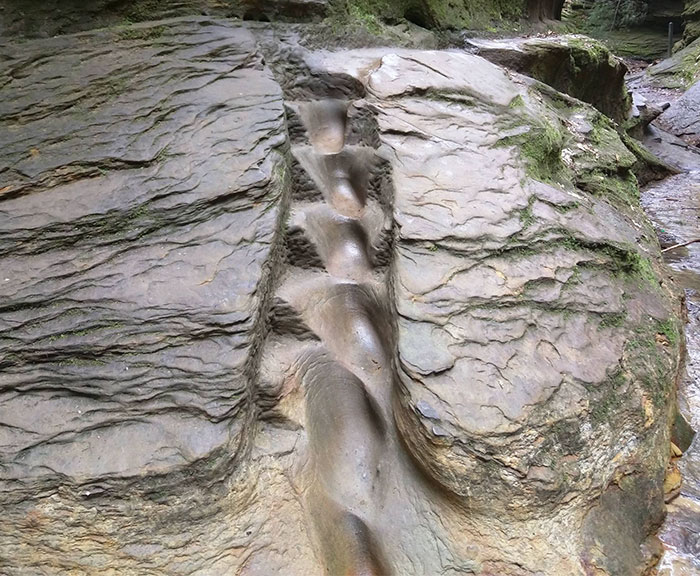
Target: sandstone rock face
{"type": "Point", "coordinates": [46, 18]}
{"type": "Point", "coordinates": [691, 16]}
{"type": "Point", "coordinates": [141, 194]}
{"type": "Point", "coordinates": [361, 312]}
{"type": "Point", "coordinates": [682, 118]}
{"type": "Point", "coordinates": [133, 260]}
{"type": "Point", "coordinates": [680, 71]}
{"type": "Point", "coordinates": [576, 65]}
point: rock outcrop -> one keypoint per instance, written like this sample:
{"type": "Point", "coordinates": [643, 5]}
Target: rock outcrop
{"type": "Point", "coordinates": [451, 14]}
{"type": "Point", "coordinates": [45, 19]}
{"type": "Point", "coordinates": [267, 310]}
{"type": "Point", "coordinates": [682, 118]}
{"type": "Point", "coordinates": [134, 259]}
{"type": "Point", "coordinates": [576, 65]}
{"type": "Point", "coordinates": [142, 180]}
{"type": "Point", "coordinates": [691, 17]}
{"type": "Point", "coordinates": [680, 71]}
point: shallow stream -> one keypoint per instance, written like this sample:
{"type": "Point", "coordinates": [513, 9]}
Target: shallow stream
{"type": "Point", "coordinates": [674, 206]}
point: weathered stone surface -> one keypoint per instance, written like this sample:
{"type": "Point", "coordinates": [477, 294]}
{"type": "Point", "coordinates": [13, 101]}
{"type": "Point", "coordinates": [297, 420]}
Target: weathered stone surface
{"type": "Point", "coordinates": [576, 65]}
{"type": "Point", "coordinates": [292, 10]}
{"type": "Point", "coordinates": [138, 211]}
{"type": "Point", "coordinates": [670, 149]}
{"type": "Point", "coordinates": [409, 321]}
{"type": "Point", "coordinates": [140, 193]}
{"type": "Point", "coordinates": [46, 18]}
{"type": "Point", "coordinates": [530, 311]}
{"type": "Point", "coordinates": [682, 117]}
{"type": "Point", "coordinates": [691, 16]}
{"type": "Point", "coordinates": [641, 115]}
{"type": "Point", "coordinates": [673, 207]}
{"type": "Point", "coordinates": [680, 71]}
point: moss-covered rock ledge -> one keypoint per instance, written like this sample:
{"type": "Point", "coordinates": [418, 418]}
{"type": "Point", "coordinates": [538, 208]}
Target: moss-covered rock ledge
{"type": "Point", "coordinates": [451, 14]}
{"type": "Point", "coordinates": [576, 65]}
{"type": "Point", "coordinates": [36, 18]}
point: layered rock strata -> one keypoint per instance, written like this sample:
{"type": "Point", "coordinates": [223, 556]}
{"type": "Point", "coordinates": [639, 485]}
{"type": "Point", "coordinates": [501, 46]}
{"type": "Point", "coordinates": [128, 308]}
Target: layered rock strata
{"type": "Point", "coordinates": [386, 312]}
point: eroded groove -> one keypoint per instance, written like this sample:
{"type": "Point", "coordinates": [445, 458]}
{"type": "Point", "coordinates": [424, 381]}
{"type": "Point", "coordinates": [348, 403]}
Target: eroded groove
{"type": "Point", "coordinates": [340, 216]}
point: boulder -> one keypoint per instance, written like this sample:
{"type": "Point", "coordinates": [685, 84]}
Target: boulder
{"type": "Point", "coordinates": [521, 250]}
{"type": "Point", "coordinates": [269, 310]}
{"type": "Point", "coordinates": [576, 65]}
{"type": "Point", "coordinates": [680, 71]}
{"type": "Point", "coordinates": [682, 118]}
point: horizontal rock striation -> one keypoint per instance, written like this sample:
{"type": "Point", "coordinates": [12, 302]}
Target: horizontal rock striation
{"type": "Point", "coordinates": [141, 188]}
{"type": "Point", "coordinates": [139, 207]}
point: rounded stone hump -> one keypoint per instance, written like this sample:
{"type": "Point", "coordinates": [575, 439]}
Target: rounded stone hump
{"type": "Point", "coordinates": [389, 73]}
{"type": "Point", "coordinates": [418, 72]}
{"type": "Point", "coordinates": [368, 312]}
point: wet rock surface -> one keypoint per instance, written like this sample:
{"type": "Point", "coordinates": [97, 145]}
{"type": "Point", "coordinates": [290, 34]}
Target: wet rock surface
{"type": "Point", "coordinates": [267, 310]}
{"type": "Point", "coordinates": [682, 118]}
{"type": "Point", "coordinates": [673, 206]}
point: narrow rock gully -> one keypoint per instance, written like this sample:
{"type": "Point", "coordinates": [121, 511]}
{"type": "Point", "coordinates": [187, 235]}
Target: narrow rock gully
{"type": "Point", "coordinates": [338, 212]}
{"type": "Point", "coordinates": [333, 339]}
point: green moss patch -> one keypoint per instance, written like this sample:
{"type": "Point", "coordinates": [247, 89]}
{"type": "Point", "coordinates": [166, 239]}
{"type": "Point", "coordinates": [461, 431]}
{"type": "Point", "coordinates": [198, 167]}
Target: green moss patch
{"type": "Point", "coordinates": [541, 147]}
{"type": "Point", "coordinates": [652, 352]}
{"type": "Point", "coordinates": [680, 71]}
{"type": "Point", "coordinates": [138, 33]}
{"type": "Point", "coordinates": [432, 14]}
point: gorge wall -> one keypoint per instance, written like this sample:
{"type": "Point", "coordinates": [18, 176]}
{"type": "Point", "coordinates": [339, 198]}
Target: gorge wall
{"type": "Point", "coordinates": [38, 18]}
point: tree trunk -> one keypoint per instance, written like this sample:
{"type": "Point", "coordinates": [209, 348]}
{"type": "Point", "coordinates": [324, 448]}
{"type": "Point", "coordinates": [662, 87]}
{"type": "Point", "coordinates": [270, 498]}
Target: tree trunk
{"type": "Point", "coordinates": [545, 9]}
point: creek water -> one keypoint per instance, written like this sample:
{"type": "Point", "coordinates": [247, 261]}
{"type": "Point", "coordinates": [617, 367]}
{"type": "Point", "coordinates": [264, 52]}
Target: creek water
{"type": "Point", "coordinates": [674, 206]}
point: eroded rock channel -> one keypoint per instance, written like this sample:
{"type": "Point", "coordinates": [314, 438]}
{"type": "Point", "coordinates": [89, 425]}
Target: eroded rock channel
{"type": "Point", "coordinates": [340, 220]}
{"type": "Point", "coordinates": [371, 311]}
